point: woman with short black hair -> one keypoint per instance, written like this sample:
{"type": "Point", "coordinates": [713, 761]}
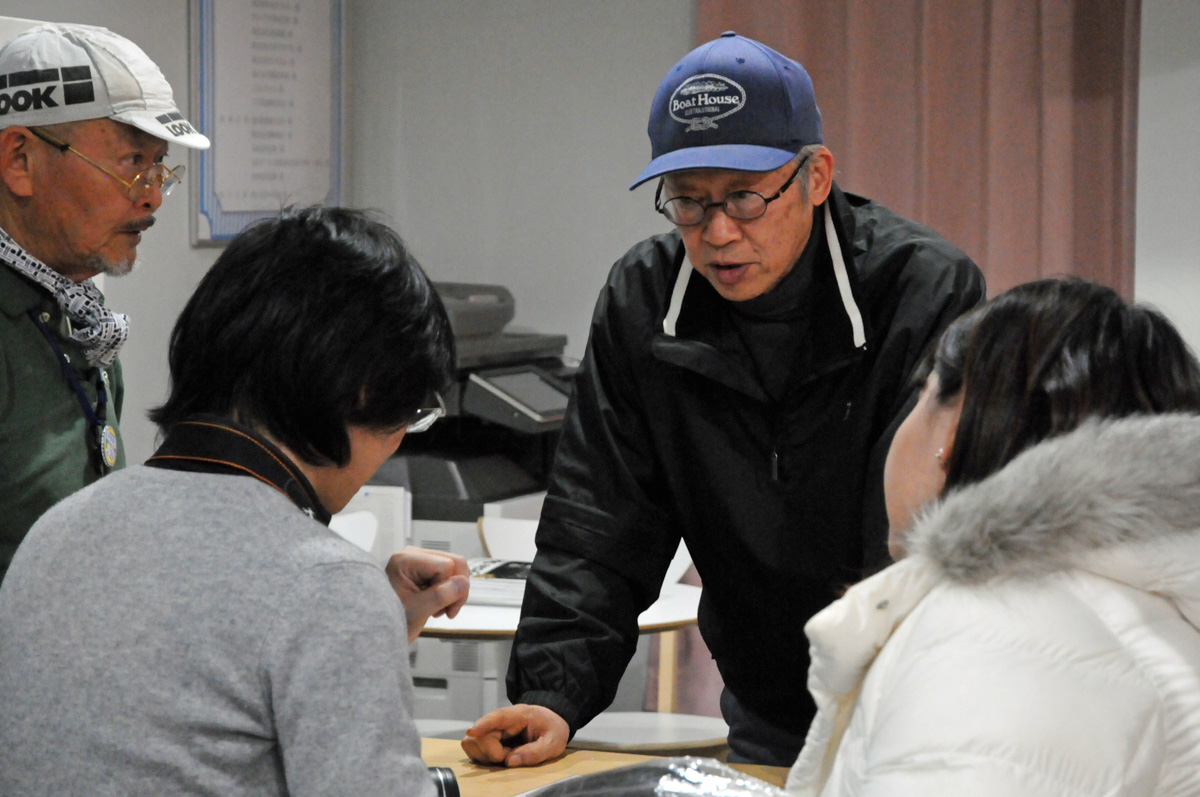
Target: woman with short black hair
{"type": "Point", "coordinates": [306, 324]}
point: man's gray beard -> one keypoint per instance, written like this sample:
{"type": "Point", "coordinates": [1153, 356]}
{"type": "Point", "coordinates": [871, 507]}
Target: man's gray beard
{"type": "Point", "coordinates": [116, 268]}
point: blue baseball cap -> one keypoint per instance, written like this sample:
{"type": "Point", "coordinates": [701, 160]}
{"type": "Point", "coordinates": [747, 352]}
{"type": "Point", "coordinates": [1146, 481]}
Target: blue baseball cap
{"type": "Point", "coordinates": [732, 103]}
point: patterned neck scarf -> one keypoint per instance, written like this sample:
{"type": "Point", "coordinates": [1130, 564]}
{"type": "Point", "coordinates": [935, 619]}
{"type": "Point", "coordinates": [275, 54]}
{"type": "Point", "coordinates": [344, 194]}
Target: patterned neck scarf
{"type": "Point", "coordinates": [100, 331]}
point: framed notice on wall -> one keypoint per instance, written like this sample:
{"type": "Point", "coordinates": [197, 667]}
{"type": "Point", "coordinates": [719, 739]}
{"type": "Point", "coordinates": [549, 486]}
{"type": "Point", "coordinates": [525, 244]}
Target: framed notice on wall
{"type": "Point", "coordinates": [267, 89]}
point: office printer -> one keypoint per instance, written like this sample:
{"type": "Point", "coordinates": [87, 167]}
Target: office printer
{"type": "Point", "coordinates": [505, 409]}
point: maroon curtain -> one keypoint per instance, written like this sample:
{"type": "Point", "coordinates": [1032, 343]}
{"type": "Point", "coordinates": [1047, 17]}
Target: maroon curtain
{"type": "Point", "coordinates": [1006, 125]}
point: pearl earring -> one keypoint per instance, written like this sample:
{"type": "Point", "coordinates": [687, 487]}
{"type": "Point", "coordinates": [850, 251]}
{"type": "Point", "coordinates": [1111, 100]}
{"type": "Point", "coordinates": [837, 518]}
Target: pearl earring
{"type": "Point", "coordinates": [941, 455]}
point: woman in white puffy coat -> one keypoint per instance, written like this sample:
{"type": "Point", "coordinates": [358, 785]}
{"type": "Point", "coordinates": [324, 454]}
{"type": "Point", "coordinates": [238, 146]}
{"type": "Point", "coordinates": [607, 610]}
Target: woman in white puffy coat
{"type": "Point", "coordinates": [1041, 638]}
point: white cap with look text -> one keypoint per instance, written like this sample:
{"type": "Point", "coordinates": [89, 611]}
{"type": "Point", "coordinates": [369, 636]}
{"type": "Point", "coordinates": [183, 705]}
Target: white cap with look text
{"type": "Point", "coordinates": [58, 73]}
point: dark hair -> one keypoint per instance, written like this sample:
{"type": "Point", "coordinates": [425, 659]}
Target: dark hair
{"type": "Point", "coordinates": [306, 323]}
{"type": "Point", "coordinates": [1042, 358]}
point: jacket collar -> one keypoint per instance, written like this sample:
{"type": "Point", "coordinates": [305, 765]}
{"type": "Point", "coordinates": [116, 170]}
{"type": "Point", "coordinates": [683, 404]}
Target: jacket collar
{"type": "Point", "coordinates": [838, 232]}
{"type": "Point", "coordinates": [1120, 498]}
{"type": "Point", "coordinates": [840, 330]}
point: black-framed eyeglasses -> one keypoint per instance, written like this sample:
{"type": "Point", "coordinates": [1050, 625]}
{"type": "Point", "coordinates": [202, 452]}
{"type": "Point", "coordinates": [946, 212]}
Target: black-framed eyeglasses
{"type": "Point", "coordinates": [425, 416]}
{"type": "Point", "coordinates": [684, 211]}
{"type": "Point", "coordinates": [157, 175]}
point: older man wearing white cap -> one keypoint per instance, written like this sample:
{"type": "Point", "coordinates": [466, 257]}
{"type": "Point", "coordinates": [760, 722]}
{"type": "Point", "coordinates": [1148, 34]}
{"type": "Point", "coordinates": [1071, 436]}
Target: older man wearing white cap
{"type": "Point", "coordinates": [86, 123]}
{"type": "Point", "coordinates": [743, 377]}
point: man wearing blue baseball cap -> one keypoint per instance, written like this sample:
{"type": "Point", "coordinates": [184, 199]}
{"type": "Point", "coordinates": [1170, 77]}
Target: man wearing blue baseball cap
{"type": "Point", "coordinates": [742, 381]}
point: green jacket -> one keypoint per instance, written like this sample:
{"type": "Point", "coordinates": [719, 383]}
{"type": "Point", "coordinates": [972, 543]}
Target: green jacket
{"type": "Point", "coordinates": [47, 448]}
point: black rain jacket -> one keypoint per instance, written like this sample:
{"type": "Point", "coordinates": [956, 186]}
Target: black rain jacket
{"type": "Point", "coordinates": [670, 434]}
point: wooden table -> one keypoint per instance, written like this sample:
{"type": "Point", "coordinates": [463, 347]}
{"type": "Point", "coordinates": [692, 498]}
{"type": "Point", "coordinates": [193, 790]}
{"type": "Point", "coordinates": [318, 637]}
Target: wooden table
{"type": "Point", "coordinates": [479, 781]}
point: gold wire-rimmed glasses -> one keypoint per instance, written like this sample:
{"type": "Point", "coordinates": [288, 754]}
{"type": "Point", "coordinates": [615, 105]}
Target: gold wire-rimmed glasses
{"type": "Point", "coordinates": [157, 175]}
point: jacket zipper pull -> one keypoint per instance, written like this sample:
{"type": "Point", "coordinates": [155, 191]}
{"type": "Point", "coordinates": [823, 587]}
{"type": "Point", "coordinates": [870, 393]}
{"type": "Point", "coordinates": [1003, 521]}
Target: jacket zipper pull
{"type": "Point", "coordinates": [774, 466]}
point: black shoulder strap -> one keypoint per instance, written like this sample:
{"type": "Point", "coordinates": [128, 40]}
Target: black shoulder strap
{"type": "Point", "coordinates": [211, 444]}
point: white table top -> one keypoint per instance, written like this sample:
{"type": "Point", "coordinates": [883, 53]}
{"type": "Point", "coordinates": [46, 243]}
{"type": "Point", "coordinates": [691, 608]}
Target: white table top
{"type": "Point", "coordinates": [676, 607]}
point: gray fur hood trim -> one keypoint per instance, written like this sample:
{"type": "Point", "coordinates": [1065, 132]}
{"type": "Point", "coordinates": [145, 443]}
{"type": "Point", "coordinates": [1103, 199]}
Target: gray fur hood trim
{"type": "Point", "coordinates": [1070, 501]}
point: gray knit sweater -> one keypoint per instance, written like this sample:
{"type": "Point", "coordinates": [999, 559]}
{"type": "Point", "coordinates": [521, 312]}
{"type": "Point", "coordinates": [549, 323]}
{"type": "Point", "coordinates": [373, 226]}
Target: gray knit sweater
{"type": "Point", "coordinates": [181, 633]}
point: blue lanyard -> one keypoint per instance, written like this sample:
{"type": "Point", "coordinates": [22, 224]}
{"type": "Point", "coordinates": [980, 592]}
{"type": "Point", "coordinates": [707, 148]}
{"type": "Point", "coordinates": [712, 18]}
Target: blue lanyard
{"type": "Point", "coordinates": [105, 436]}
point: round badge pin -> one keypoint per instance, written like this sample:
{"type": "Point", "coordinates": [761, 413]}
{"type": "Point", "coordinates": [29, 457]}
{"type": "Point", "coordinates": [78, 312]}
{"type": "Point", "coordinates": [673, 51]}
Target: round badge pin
{"type": "Point", "coordinates": [108, 445]}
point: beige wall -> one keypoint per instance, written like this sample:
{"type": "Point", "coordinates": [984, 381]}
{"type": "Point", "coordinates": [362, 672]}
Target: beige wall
{"type": "Point", "coordinates": [1167, 254]}
{"type": "Point", "coordinates": [501, 137]}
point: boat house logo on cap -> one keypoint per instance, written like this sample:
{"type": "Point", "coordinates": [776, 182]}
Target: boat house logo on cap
{"type": "Point", "coordinates": [703, 99]}
{"type": "Point", "coordinates": [731, 103]}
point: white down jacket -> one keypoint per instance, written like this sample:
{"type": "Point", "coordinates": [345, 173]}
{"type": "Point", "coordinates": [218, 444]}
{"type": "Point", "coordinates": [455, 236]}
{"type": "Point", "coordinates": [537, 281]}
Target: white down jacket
{"type": "Point", "coordinates": [1042, 640]}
